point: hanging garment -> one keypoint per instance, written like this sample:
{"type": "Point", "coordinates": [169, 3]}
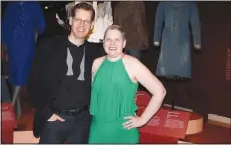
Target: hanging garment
{"type": "Point", "coordinates": [20, 23]}
{"type": "Point", "coordinates": [172, 30]}
{"type": "Point", "coordinates": [103, 20]}
{"type": "Point", "coordinates": [132, 17]}
{"type": "Point", "coordinates": [69, 7]}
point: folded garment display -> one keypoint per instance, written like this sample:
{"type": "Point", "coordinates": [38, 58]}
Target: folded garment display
{"type": "Point", "coordinates": [166, 126]}
{"type": "Point", "coordinates": [8, 123]}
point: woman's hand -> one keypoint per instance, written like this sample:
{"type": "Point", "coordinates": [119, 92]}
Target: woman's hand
{"type": "Point", "coordinates": [133, 122]}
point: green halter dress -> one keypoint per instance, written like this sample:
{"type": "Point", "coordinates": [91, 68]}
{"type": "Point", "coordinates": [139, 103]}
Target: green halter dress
{"type": "Point", "coordinates": [112, 99]}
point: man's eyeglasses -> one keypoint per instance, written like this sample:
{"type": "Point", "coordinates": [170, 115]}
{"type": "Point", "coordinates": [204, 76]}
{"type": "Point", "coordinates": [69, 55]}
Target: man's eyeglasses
{"type": "Point", "coordinates": [86, 23]}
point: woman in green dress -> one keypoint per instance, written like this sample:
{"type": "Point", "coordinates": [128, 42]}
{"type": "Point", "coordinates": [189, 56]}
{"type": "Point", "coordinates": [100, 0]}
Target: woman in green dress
{"type": "Point", "coordinates": [115, 80]}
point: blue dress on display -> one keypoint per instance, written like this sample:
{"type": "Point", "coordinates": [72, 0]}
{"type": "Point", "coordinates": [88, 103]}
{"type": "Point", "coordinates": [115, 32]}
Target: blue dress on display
{"type": "Point", "coordinates": [20, 23]}
{"type": "Point", "coordinates": [172, 32]}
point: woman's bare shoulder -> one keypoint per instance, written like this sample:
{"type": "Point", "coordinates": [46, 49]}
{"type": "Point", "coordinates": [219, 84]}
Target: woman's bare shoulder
{"type": "Point", "coordinates": [99, 59]}
{"type": "Point", "coordinates": [130, 60]}
{"type": "Point", "coordinates": [97, 62]}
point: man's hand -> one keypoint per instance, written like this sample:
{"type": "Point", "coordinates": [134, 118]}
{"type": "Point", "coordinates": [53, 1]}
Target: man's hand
{"type": "Point", "coordinates": [55, 117]}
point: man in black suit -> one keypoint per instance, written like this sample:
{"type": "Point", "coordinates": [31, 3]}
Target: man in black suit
{"type": "Point", "coordinates": [60, 82]}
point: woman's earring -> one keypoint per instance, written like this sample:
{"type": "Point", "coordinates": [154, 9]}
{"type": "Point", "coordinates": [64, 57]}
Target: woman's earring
{"type": "Point", "coordinates": [124, 51]}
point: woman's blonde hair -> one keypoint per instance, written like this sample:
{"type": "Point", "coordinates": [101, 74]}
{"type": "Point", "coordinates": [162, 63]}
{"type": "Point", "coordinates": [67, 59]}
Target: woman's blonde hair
{"type": "Point", "coordinates": [116, 27]}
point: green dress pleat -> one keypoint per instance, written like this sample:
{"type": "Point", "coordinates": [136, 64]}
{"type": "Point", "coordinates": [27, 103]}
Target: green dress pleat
{"type": "Point", "coordinates": [112, 99]}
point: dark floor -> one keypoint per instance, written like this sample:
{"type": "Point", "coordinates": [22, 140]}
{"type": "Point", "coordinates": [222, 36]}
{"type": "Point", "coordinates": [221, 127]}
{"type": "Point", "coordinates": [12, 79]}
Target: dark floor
{"type": "Point", "coordinates": [210, 134]}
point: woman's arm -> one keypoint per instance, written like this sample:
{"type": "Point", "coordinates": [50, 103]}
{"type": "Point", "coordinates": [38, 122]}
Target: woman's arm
{"type": "Point", "coordinates": [154, 86]}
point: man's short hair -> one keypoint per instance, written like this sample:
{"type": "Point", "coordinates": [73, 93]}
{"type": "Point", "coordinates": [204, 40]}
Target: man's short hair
{"type": "Point", "coordinates": [84, 6]}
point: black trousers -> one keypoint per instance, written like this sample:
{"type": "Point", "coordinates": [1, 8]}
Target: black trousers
{"type": "Point", "coordinates": [74, 130]}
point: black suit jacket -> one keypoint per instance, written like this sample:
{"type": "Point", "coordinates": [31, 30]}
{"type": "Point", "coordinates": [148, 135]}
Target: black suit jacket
{"type": "Point", "coordinates": [48, 69]}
